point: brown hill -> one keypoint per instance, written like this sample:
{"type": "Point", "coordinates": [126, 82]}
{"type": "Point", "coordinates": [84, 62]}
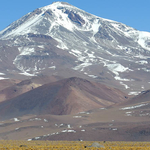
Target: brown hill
{"type": "Point", "coordinates": [142, 98]}
{"type": "Point", "coordinates": [138, 106]}
{"type": "Point", "coordinates": [11, 88]}
{"type": "Point", "coordinates": [7, 83]}
{"type": "Point", "coordinates": [63, 97]}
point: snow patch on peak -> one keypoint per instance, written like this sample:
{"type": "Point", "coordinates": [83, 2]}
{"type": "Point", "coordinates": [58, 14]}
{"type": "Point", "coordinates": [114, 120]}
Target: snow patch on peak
{"type": "Point", "coordinates": [57, 5]}
{"type": "Point", "coordinates": [95, 26]}
{"type": "Point", "coordinates": [144, 39]}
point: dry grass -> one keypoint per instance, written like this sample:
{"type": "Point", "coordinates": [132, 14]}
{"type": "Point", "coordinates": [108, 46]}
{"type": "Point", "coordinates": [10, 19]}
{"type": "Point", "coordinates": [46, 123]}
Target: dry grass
{"type": "Point", "coordinates": [71, 145]}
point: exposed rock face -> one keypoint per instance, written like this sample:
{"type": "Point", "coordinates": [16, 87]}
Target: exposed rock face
{"type": "Point", "coordinates": [75, 17]}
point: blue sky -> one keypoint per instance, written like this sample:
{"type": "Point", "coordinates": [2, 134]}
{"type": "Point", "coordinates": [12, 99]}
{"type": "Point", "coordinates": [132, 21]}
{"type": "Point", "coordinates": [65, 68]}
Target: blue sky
{"type": "Point", "coordinates": [134, 13]}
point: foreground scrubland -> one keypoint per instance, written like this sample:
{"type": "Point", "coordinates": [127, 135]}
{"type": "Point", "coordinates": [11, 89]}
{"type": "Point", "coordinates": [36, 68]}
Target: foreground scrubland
{"type": "Point", "coordinates": [72, 145]}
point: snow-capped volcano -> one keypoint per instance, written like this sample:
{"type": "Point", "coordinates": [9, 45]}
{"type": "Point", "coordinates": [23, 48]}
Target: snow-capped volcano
{"type": "Point", "coordinates": [52, 16]}
{"type": "Point", "coordinates": [59, 14]}
{"type": "Point", "coordinates": [64, 40]}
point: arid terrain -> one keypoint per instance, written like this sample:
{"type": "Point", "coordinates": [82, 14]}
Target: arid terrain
{"type": "Point", "coordinates": [74, 109]}
{"type": "Point", "coordinates": [66, 74]}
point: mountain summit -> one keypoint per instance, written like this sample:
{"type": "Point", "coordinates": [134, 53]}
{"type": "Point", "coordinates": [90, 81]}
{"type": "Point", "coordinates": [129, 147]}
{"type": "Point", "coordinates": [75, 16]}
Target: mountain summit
{"type": "Point", "coordinates": [60, 39]}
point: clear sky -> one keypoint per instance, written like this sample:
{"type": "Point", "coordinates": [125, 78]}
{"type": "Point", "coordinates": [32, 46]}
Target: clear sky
{"type": "Point", "coordinates": [134, 13]}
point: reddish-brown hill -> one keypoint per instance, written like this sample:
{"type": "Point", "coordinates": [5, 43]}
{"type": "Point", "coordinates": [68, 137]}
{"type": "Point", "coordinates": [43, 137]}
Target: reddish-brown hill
{"type": "Point", "coordinates": [63, 97]}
